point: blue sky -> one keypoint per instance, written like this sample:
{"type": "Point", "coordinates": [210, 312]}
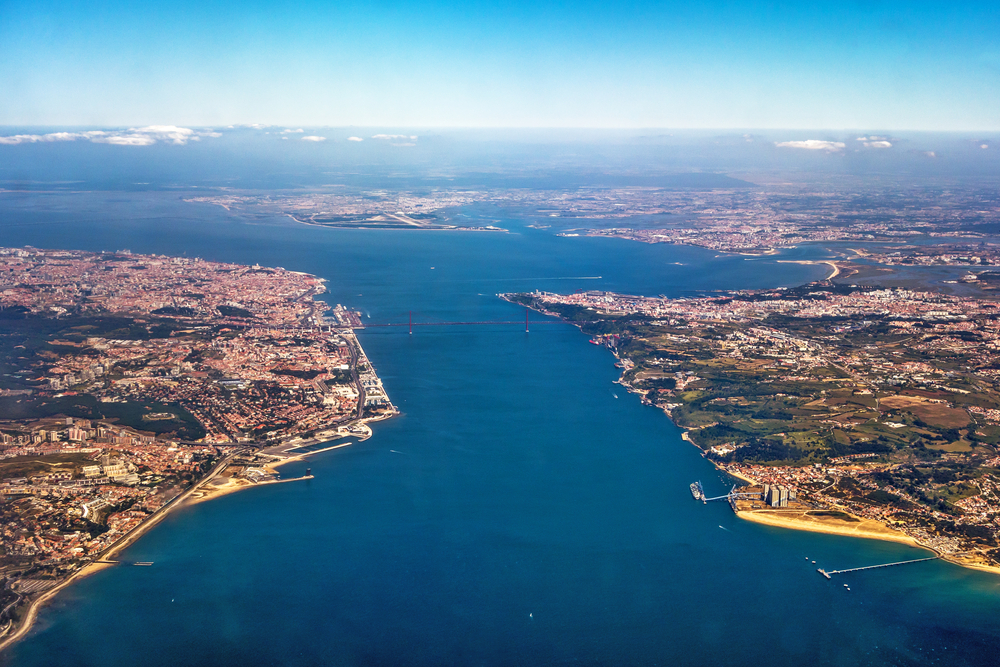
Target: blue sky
{"type": "Point", "coordinates": [874, 65]}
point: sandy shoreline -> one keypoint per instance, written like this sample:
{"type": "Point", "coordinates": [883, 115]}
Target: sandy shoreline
{"type": "Point", "coordinates": [195, 494]}
{"type": "Point", "coordinates": [799, 520]}
{"type": "Point", "coordinates": [835, 269]}
{"type": "Point", "coordinates": [865, 528]}
{"type": "Point", "coordinates": [102, 562]}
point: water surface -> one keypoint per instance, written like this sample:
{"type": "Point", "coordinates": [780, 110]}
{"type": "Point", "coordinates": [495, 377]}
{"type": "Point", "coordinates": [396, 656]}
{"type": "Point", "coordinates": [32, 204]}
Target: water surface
{"type": "Point", "coordinates": [522, 510]}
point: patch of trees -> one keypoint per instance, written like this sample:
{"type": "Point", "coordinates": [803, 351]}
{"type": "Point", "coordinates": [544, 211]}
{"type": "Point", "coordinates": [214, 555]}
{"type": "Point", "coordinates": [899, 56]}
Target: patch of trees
{"type": "Point", "coordinates": [659, 383]}
{"type": "Point", "coordinates": [233, 311]}
{"type": "Point", "coordinates": [984, 533]}
{"type": "Point", "coordinates": [304, 375]}
{"type": "Point", "coordinates": [182, 311]}
{"type": "Point", "coordinates": [13, 313]}
{"type": "Point", "coordinates": [763, 450]}
{"type": "Point", "coordinates": [877, 446]}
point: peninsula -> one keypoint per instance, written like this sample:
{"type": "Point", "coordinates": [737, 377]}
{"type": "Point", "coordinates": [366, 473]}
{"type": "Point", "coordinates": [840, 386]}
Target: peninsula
{"type": "Point", "coordinates": [865, 411]}
{"type": "Point", "coordinates": [130, 384]}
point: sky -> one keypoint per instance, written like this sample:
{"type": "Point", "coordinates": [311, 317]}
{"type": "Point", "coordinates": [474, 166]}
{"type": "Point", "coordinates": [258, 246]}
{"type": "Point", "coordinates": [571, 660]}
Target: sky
{"type": "Point", "coordinates": [522, 63]}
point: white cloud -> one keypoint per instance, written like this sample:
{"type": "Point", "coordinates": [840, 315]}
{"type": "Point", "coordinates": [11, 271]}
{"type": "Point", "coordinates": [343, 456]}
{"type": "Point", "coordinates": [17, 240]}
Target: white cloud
{"type": "Point", "coordinates": [397, 139]}
{"type": "Point", "coordinates": [313, 138]}
{"type": "Point", "coordinates": [22, 139]}
{"type": "Point", "coordinates": [878, 144]}
{"type": "Point", "coordinates": [984, 146]}
{"type": "Point", "coordinates": [135, 136]}
{"type": "Point", "coordinates": [287, 131]}
{"type": "Point", "coordinates": [930, 153]}
{"type": "Point", "coordinates": [355, 139]}
{"type": "Point", "coordinates": [813, 145]}
{"type": "Point", "coordinates": [130, 140]}
{"type": "Point", "coordinates": [172, 133]}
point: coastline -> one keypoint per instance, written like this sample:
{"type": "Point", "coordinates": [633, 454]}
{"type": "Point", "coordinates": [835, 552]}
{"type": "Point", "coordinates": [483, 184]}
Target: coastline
{"type": "Point", "coordinates": [866, 529]}
{"type": "Point", "coordinates": [185, 498]}
{"type": "Point", "coordinates": [799, 520]}
{"type": "Point", "coordinates": [189, 497]}
{"type": "Point", "coordinates": [102, 562]}
{"type": "Point", "coordinates": [834, 267]}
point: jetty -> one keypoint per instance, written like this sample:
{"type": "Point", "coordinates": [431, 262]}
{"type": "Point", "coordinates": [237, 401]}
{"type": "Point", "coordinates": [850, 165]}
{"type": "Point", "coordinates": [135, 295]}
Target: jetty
{"type": "Point", "coordinates": [828, 574]}
{"type": "Point", "coordinates": [730, 497]}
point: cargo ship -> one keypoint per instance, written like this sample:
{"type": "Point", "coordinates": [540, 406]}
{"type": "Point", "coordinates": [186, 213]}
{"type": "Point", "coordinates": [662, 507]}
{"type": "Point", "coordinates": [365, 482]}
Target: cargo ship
{"type": "Point", "coordinates": [697, 491]}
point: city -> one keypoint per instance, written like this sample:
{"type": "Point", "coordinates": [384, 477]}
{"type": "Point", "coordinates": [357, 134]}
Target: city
{"type": "Point", "coordinates": [129, 381]}
{"type": "Point", "coordinates": [868, 403]}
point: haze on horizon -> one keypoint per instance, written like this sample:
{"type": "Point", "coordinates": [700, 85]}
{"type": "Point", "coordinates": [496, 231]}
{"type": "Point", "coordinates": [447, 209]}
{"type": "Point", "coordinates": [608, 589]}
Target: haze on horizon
{"type": "Point", "coordinates": [890, 66]}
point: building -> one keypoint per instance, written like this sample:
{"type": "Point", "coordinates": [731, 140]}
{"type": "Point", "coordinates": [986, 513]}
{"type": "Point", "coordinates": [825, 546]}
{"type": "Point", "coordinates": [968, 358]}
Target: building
{"type": "Point", "coordinates": [778, 496]}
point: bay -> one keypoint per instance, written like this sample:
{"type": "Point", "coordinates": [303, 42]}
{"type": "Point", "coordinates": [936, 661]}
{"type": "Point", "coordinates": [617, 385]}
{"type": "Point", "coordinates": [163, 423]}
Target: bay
{"type": "Point", "coordinates": [523, 509]}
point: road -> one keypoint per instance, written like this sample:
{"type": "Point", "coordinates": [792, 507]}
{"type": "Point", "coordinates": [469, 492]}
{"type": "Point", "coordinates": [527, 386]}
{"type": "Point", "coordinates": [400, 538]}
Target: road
{"type": "Point", "coordinates": [357, 380]}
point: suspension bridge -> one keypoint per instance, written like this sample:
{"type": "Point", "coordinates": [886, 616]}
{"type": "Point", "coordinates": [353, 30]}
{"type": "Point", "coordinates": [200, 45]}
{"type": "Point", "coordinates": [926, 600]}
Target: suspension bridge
{"type": "Point", "coordinates": [410, 323]}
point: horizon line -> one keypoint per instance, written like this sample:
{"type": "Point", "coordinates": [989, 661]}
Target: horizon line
{"type": "Point", "coordinates": [587, 128]}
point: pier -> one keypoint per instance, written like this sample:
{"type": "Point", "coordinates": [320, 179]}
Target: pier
{"type": "Point", "coordinates": [731, 497]}
{"type": "Point", "coordinates": [828, 574]}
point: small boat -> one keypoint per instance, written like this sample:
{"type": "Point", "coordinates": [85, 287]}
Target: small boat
{"type": "Point", "coordinates": [593, 341]}
{"type": "Point", "coordinates": [814, 562]}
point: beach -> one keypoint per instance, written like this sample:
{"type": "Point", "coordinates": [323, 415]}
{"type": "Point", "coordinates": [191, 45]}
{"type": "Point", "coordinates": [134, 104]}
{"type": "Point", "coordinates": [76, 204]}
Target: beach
{"type": "Point", "coordinates": [213, 485]}
{"type": "Point", "coordinates": [104, 560]}
{"type": "Point", "coordinates": [801, 520]}
{"type": "Point", "coordinates": [834, 268]}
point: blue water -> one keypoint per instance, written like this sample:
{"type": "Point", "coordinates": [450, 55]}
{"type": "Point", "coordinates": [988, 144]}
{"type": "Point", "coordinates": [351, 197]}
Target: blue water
{"type": "Point", "coordinates": [517, 512]}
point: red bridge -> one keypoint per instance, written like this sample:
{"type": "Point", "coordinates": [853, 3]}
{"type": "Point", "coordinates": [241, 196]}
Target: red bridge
{"type": "Point", "coordinates": [410, 324]}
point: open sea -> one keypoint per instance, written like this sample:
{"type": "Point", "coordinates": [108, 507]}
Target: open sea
{"type": "Point", "coordinates": [523, 509]}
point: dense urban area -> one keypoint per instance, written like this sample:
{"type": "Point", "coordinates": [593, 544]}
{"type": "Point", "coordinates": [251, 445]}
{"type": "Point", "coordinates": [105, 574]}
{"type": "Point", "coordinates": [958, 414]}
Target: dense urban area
{"type": "Point", "coordinates": [128, 381]}
{"type": "Point", "coordinates": [862, 404]}
{"type": "Point", "coordinates": [729, 215]}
